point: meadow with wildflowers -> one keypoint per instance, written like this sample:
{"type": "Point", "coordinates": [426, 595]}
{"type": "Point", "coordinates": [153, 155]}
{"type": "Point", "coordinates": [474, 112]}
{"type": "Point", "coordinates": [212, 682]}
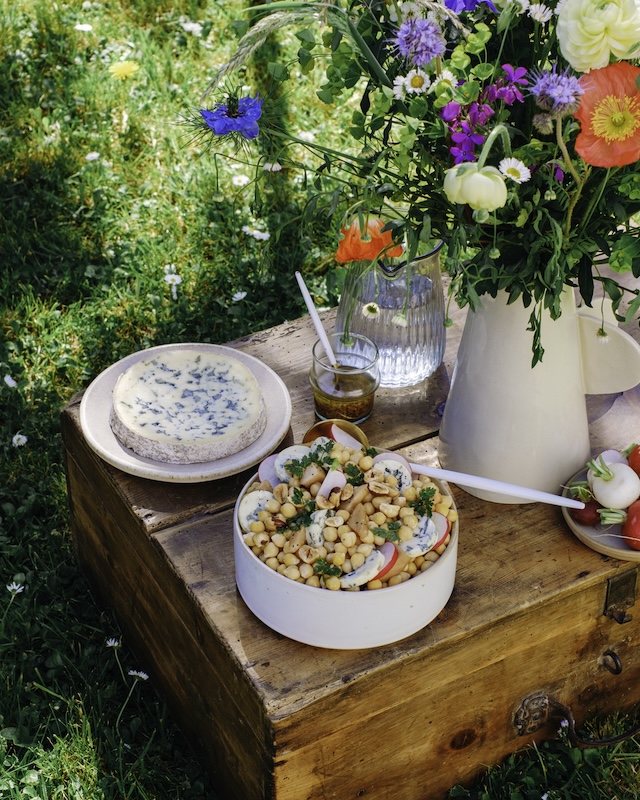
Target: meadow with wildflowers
{"type": "Point", "coordinates": [120, 231]}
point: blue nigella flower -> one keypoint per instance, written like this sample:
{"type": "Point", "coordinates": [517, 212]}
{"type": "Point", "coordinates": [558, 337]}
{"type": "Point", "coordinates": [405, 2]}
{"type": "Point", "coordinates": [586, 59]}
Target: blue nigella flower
{"type": "Point", "coordinates": [235, 116]}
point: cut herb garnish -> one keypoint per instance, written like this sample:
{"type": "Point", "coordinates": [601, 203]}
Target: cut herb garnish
{"type": "Point", "coordinates": [390, 533]}
{"type": "Point", "coordinates": [297, 496]}
{"type": "Point", "coordinates": [303, 518]}
{"type": "Point", "coordinates": [320, 455]}
{"type": "Point", "coordinates": [423, 504]}
{"type": "Point", "coordinates": [355, 475]}
{"type": "Point", "coordinates": [322, 567]}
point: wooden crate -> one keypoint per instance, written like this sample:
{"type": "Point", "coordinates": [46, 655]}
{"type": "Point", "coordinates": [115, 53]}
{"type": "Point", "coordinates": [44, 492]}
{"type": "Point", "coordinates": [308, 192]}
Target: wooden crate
{"type": "Point", "coordinates": [281, 720]}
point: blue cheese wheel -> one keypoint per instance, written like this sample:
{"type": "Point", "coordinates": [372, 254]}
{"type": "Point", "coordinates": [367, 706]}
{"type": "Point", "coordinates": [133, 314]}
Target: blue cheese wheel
{"type": "Point", "coordinates": [187, 406]}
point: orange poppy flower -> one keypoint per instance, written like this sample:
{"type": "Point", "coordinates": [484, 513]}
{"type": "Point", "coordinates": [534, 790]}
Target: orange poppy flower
{"type": "Point", "coordinates": [352, 247]}
{"type": "Point", "coordinates": [609, 114]}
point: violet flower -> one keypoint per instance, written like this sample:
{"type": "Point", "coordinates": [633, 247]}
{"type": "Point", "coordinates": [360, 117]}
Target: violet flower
{"type": "Point", "coordinates": [236, 116]}
{"type": "Point", "coordinates": [420, 40]}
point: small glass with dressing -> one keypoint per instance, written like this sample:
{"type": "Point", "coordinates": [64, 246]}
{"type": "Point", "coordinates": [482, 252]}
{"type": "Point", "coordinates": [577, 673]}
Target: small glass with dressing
{"type": "Point", "coordinates": [346, 389]}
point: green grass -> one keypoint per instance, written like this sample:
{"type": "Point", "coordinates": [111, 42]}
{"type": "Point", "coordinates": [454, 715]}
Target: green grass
{"type": "Point", "coordinates": [102, 190]}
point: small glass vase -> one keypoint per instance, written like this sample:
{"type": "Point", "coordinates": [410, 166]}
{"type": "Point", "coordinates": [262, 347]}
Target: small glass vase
{"type": "Point", "coordinates": [399, 305]}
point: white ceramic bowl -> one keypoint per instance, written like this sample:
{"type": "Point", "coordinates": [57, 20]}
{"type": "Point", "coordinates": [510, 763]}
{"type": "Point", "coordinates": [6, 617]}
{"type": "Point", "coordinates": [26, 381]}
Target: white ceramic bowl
{"type": "Point", "coordinates": [343, 620]}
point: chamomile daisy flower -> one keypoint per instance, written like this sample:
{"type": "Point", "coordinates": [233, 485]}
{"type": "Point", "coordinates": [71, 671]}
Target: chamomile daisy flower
{"type": "Point", "coordinates": [370, 310]}
{"type": "Point", "coordinates": [539, 12]}
{"type": "Point", "coordinates": [445, 76]}
{"type": "Point", "coordinates": [514, 168]}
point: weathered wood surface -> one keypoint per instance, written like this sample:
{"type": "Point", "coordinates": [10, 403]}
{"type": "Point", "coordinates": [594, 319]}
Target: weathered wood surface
{"type": "Point", "coordinates": [398, 419]}
{"type": "Point", "coordinates": [275, 718]}
{"type": "Point", "coordinates": [280, 720]}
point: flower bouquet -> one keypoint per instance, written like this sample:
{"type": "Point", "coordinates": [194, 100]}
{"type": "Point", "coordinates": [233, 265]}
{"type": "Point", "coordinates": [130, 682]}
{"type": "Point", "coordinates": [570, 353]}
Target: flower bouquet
{"type": "Point", "coordinates": [509, 130]}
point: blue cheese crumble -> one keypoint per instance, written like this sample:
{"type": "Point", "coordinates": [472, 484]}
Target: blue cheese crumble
{"type": "Point", "coordinates": [187, 406]}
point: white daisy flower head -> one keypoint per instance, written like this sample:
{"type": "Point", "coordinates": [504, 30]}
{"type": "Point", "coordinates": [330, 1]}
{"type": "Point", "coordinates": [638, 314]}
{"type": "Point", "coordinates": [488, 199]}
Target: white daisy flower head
{"type": "Point", "coordinates": [172, 279]}
{"type": "Point", "coordinates": [136, 673]}
{"type": "Point", "coordinates": [113, 642]}
{"type": "Point", "coordinates": [539, 12]}
{"type": "Point", "coordinates": [84, 27]}
{"type": "Point", "coordinates": [370, 310]}
{"type": "Point", "coordinates": [307, 136]}
{"type": "Point", "coordinates": [255, 233]}
{"type": "Point", "coordinates": [399, 90]}
{"type": "Point", "coordinates": [400, 320]}
{"type": "Point", "coordinates": [194, 28]}
{"type": "Point", "coordinates": [238, 296]}
{"type": "Point", "coordinates": [15, 588]}
{"type": "Point", "coordinates": [514, 168]}
{"type": "Point", "coordinates": [445, 76]}
{"type": "Point", "coordinates": [92, 156]}
{"type": "Point", "coordinates": [240, 180]}
{"type": "Point", "coordinates": [11, 383]}
{"type": "Point", "coordinates": [417, 82]}
{"type": "Point", "coordinates": [19, 440]}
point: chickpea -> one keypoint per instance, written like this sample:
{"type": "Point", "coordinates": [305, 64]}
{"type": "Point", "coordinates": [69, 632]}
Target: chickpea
{"type": "Point", "coordinates": [357, 560]}
{"type": "Point", "coordinates": [314, 581]}
{"type": "Point", "coordinates": [405, 533]}
{"type": "Point", "coordinates": [340, 547]}
{"type": "Point", "coordinates": [271, 550]}
{"type": "Point", "coordinates": [288, 510]}
{"type": "Point", "coordinates": [378, 518]}
{"type": "Point", "coordinates": [337, 558]}
{"type": "Point", "coordinates": [314, 489]}
{"type": "Point", "coordinates": [279, 539]}
{"type": "Point", "coordinates": [347, 566]}
{"type": "Point", "coordinates": [375, 584]}
{"type": "Point", "coordinates": [366, 549]}
{"type": "Point", "coordinates": [248, 539]}
{"type": "Point", "coordinates": [306, 571]}
{"type": "Point", "coordinates": [330, 534]}
{"type": "Point", "coordinates": [332, 583]}
{"type": "Point", "coordinates": [290, 559]}
{"type": "Point", "coordinates": [272, 506]}
{"type": "Point", "coordinates": [369, 508]}
{"type": "Point", "coordinates": [272, 563]}
{"type": "Point", "coordinates": [452, 516]}
{"type": "Point", "coordinates": [410, 494]}
{"type": "Point", "coordinates": [257, 526]}
{"type": "Point", "coordinates": [365, 463]}
{"type": "Point", "coordinates": [292, 572]}
{"type": "Point", "coordinates": [348, 538]}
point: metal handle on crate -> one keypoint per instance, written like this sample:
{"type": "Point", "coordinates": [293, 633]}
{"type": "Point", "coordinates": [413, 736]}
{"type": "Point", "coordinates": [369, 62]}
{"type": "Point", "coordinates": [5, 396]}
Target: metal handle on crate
{"type": "Point", "coordinates": [538, 708]}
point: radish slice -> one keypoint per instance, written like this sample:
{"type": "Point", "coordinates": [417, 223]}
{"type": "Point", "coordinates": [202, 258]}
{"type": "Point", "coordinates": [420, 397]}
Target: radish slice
{"type": "Point", "coordinates": [336, 479]}
{"type": "Point", "coordinates": [390, 553]}
{"type": "Point", "coordinates": [443, 526]}
{"type": "Point", "coordinates": [345, 439]}
{"type": "Point", "coordinates": [266, 471]}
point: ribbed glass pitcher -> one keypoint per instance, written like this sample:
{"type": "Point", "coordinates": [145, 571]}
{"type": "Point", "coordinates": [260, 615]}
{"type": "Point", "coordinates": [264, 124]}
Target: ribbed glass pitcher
{"type": "Point", "coordinates": [400, 306]}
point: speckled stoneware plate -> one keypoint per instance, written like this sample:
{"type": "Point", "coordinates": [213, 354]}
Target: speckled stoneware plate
{"type": "Point", "coordinates": [95, 410]}
{"type": "Point", "coordinates": [605, 539]}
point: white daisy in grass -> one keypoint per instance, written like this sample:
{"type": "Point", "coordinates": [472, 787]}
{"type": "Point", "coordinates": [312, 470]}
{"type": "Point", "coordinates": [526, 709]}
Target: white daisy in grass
{"type": "Point", "coordinates": [514, 168]}
{"type": "Point", "coordinates": [19, 440]}
{"type": "Point", "coordinates": [174, 281]}
{"type": "Point", "coordinates": [240, 180]}
{"type": "Point", "coordinates": [113, 642]}
{"type": "Point", "coordinates": [136, 673]}
{"type": "Point", "coordinates": [15, 588]}
{"type": "Point", "coordinates": [238, 296]}
{"type": "Point", "coordinates": [11, 383]}
{"type": "Point", "coordinates": [414, 82]}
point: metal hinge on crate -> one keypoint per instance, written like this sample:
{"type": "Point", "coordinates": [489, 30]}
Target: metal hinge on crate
{"type": "Point", "coordinates": [538, 708]}
{"type": "Point", "coordinates": [621, 595]}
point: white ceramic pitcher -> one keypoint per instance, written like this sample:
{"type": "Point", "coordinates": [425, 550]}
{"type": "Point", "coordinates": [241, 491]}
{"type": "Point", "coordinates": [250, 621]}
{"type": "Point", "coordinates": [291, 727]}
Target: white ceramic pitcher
{"type": "Point", "coordinates": [526, 425]}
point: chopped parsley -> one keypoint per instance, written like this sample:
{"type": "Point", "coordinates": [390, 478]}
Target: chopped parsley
{"type": "Point", "coordinates": [355, 475]}
{"type": "Point", "coordinates": [297, 496]}
{"type": "Point", "coordinates": [322, 567]}
{"type": "Point", "coordinates": [303, 518]}
{"type": "Point", "coordinates": [320, 455]}
{"type": "Point", "coordinates": [390, 533]}
{"type": "Point", "coordinates": [423, 504]}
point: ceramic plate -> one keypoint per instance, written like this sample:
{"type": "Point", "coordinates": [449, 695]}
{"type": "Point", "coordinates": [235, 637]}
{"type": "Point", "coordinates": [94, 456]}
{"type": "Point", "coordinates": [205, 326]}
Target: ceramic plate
{"type": "Point", "coordinates": [95, 410]}
{"type": "Point", "coordinates": [605, 539]}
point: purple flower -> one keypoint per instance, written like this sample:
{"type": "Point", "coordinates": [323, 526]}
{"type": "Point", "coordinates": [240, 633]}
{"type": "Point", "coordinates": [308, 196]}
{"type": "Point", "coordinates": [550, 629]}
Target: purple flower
{"type": "Point", "coordinates": [420, 40]}
{"type": "Point", "coordinates": [557, 93]}
{"type": "Point", "coordinates": [237, 115]}
{"type": "Point", "coordinates": [458, 6]}
{"type": "Point", "coordinates": [451, 112]}
{"type": "Point", "coordinates": [466, 140]}
{"type": "Point", "coordinates": [508, 90]}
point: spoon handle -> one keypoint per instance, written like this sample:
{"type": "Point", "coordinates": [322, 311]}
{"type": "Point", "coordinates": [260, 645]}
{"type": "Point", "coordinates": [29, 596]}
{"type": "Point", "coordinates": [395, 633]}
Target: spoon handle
{"type": "Point", "coordinates": [488, 484]}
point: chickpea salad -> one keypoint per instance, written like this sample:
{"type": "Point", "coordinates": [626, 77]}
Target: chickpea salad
{"type": "Point", "coordinates": [337, 516]}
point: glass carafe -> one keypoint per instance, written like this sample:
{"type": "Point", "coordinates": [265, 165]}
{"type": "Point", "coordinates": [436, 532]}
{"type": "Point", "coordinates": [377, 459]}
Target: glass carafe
{"type": "Point", "coordinates": [400, 306]}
